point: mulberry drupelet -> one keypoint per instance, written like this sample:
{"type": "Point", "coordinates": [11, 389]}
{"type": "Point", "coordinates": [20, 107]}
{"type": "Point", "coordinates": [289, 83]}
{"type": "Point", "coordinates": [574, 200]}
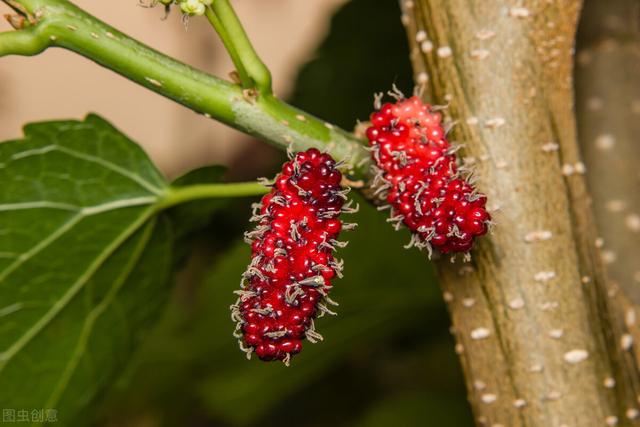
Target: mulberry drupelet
{"type": "Point", "coordinates": [417, 173]}
{"type": "Point", "coordinates": [292, 266]}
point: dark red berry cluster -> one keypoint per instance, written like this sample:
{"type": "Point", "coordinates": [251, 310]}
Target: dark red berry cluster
{"type": "Point", "coordinates": [286, 285]}
{"type": "Point", "coordinates": [417, 172]}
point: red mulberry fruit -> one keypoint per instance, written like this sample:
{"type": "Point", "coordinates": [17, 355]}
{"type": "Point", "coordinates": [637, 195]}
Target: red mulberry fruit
{"type": "Point", "coordinates": [417, 174]}
{"type": "Point", "coordinates": [292, 266]}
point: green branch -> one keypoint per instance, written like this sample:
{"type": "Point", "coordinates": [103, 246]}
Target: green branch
{"type": "Point", "coordinates": [242, 45]}
{"type": "Point", "coordinates": [23, 42]}
{"type": "Point", "coordinates": [228, 44]}
{"type": "Point", "coordinates": [62, 24]}
{"type": "Point", "coordinates": [179, 195]}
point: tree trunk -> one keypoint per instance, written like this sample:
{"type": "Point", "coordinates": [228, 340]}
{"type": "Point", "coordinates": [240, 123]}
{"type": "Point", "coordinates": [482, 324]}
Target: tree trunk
{"type": "Point", "coordinates": [536, 331]}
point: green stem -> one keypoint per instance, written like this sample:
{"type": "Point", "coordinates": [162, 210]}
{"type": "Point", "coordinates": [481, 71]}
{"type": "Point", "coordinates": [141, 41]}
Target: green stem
{"type": "Point", "coordinates": [257, 70]}
{"type": "Point", "coordinates": [179, 195]}
{"type": "Point", "coordinates": [62, 24]}
{"type": "Point", "coordinates": [228, 44]}
{"type": "Point", "coordinates": [23, 42]}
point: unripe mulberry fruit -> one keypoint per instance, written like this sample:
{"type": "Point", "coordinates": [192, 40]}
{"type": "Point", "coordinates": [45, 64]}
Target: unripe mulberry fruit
{"type": "Point", "coordinates": [418, 176]}
{"type": "Point", "coordinates": [292, 265]}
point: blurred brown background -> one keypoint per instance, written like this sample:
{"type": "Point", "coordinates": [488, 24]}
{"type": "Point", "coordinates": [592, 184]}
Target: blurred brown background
{"type": "Point", "coordinates": [60, 84]}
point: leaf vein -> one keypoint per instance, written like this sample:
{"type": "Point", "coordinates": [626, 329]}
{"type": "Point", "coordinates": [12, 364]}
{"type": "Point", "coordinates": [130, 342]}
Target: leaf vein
{"type": "Point", "coordinates": [92, 159]}
{"type": "Point", "coordinates": [82, 213]}
{"type": "Point", "coordinates": [93, 316]}
{"type": "Point", "coordinates": [33, 331]}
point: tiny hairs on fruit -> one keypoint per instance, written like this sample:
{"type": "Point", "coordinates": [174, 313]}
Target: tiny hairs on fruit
{"type": "Point", "coordinates": [416, 173]}
{"type": "Point", "coordinates": [287, 283]}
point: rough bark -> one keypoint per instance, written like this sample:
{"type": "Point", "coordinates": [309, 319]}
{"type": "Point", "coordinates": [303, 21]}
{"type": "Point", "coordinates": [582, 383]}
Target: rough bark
{"type": "Point", "coordinates": [537, 332]}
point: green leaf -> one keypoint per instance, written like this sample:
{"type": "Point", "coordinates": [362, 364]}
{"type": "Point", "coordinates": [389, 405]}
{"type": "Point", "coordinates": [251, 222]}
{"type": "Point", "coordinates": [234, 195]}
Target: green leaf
{"type": "Point", "coordinates": [85, 262]}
